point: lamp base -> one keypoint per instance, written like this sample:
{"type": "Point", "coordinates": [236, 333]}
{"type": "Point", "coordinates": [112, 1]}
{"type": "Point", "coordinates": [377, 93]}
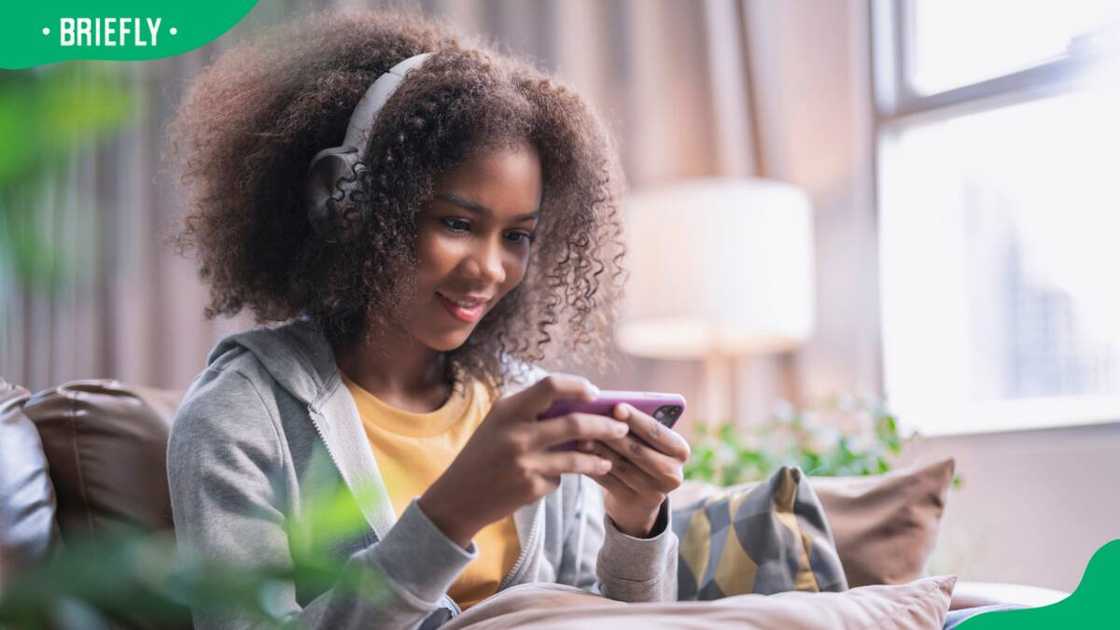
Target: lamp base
{"type": "Point", "coordinates": [740, 389]}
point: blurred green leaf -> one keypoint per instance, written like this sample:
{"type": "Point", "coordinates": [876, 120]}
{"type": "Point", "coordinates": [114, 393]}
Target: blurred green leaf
{"type": "Point", "coordinates": [46, 114]}
{"type": "Point", "coordinates": [127, 574]}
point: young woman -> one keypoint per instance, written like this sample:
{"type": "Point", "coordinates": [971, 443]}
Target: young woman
{"type": "Point", "coordinates": [416, 220]}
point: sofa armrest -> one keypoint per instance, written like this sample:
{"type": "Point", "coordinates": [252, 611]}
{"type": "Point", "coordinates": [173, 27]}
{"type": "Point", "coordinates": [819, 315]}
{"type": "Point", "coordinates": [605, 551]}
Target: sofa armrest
{"type": "Point", "coordinates": [970, 594]}
{"type": "Point", "coordinates": [28, 532]}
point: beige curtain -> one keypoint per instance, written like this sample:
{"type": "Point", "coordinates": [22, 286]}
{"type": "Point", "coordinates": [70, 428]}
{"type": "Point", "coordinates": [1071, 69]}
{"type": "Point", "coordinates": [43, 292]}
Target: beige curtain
{"type": "Point", "coordinates": [673, 78]}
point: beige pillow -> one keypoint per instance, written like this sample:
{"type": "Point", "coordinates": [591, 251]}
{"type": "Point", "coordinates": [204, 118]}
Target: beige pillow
{"type": "Point", "coordinates": [885, 526]}
{"type": "Point", "coordinates": [920, 604]}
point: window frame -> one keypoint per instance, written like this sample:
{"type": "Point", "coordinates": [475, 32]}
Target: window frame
{"type": "Point", "coordinates": [897, 101]}
{"type": "Point", "coordinates": [897, 105]}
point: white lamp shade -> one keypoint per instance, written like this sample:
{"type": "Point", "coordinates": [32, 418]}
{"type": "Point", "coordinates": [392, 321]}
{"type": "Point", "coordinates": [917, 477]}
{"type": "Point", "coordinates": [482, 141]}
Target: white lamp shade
{"type": "Point", "coordinates": [717, 266]}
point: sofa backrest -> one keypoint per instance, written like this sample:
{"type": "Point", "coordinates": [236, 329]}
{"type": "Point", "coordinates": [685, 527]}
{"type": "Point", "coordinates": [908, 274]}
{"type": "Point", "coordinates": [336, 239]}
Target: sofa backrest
{"type": "Point", "coordinates": [106, 443]}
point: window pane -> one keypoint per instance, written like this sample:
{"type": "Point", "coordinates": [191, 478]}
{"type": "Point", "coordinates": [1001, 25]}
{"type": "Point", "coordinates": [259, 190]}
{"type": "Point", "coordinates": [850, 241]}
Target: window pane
{"type": "Point", "coordinates": [1001, 259]}
{"type": "Point", "coordinates": [958, 42]}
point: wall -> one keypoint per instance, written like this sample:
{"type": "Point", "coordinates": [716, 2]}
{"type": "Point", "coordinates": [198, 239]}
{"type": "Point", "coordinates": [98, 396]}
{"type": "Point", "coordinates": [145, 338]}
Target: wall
{"type": "Point", "coordinates": [1033, 506]}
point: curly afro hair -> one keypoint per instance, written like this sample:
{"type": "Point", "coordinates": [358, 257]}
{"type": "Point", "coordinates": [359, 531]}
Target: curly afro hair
{"type": "Point", "coordinates": [250, 123]}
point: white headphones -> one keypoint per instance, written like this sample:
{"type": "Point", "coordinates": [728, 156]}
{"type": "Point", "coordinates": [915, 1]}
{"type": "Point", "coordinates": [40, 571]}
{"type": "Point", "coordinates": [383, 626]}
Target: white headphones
{"type": "Point", "coordinates": [334, 173]}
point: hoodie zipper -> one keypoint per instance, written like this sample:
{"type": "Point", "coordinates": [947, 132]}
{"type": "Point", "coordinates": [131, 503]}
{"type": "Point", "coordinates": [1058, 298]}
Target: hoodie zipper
{"type": "Point", "coordinates": [529, 545]}
{"type": "Point", "coordinates": [314, 414]}
{"type": "Point", "coordinates": [449, 603]}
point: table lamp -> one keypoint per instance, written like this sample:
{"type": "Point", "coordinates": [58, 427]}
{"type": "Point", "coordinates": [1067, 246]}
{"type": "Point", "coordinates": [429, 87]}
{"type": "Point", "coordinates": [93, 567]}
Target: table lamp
{"type": "Point", "coordinates": [720, 268]}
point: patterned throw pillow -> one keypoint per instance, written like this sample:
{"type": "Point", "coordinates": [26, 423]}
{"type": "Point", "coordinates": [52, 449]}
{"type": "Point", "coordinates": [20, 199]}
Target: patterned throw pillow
{"type": "Point", "coordinates": [769, 538]}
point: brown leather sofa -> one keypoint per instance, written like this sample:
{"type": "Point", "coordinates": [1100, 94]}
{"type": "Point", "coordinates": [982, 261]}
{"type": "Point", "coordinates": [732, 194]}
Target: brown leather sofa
{"type": "Point", "coordinates": [86, 455]}
{"type": "Point", "coordinates": [77, 461]}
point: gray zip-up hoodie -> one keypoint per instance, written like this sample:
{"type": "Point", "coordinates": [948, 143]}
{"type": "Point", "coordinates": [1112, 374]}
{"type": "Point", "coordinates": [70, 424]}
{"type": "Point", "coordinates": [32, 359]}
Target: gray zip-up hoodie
{"type": "Point", "coordinates": [239, 462]}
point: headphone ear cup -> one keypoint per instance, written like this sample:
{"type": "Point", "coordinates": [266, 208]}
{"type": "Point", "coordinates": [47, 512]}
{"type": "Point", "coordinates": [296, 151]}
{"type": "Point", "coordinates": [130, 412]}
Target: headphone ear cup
{"type": "Point", "coordinates": [331, 176]}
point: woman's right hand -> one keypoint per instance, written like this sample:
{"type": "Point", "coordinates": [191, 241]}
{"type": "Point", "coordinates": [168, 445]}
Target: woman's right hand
{"type": "Point", "coordinates": [507, 462]}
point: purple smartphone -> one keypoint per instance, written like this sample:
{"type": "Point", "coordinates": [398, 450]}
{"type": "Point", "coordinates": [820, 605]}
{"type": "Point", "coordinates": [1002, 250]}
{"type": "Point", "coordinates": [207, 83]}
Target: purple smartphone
{"type": "Point", "coordinates": [665, 408]}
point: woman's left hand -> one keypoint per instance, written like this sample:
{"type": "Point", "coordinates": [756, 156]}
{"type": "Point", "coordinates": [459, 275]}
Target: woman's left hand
{"type": "Point", "coordinates": [640, 477]}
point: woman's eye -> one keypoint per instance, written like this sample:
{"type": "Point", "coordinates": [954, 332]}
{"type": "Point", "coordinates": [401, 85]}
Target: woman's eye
{"type": "Point", "coordinates": [522, 237]}
{"type": "Point", "coordinates": [456, 225]}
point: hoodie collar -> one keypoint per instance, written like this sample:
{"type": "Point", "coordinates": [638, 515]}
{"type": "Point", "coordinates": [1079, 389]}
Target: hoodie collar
{"type": "Point", "coordinates": [296, 355]}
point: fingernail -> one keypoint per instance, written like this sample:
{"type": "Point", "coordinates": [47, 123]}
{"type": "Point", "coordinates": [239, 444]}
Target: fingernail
{"type": "Point", "coordinates": [621, 429]}
{"type": "Point", "coordinates": [604, 467]}
{"type": "Point", "coordinates": [623, 411]}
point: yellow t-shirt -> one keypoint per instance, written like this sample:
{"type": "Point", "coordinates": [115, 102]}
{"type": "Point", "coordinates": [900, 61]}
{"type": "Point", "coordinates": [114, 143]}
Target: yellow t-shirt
{"type": "Point", "coordinates": [413, 450]}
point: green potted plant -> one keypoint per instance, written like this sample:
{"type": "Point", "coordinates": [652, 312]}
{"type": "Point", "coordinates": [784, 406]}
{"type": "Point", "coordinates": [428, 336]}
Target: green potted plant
{"type": "Point", "coordinates": [839, 436]}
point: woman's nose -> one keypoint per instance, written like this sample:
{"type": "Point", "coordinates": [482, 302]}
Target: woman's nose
{"type": "Point", "coordinates": [486, 262]}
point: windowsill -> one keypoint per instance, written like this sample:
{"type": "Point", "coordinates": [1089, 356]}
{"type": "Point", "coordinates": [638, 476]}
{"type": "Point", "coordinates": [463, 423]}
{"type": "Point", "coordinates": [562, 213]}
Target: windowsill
{"type": "Point", "coordinates": [1016, 415]}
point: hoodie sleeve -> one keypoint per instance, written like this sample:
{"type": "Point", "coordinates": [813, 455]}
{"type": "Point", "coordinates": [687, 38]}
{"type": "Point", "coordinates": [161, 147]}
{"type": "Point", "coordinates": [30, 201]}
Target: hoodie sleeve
{"type": "Point", "coordinates": [606, 561]}
{"type": "Point", "coordinates": [228, 480]}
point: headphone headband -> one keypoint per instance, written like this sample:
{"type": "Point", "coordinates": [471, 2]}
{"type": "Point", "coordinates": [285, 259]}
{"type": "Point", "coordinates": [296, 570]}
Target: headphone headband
{"type": "Point", "coordinates": [333, 173]}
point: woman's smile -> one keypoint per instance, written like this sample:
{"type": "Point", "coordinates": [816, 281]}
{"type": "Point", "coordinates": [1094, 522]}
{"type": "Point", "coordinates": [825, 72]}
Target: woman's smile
{"type": "Point", "coordinates": [469, 310]}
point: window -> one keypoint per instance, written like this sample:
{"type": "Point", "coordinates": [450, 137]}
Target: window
{"type": "Point", "coordinates": [958, 42]}
{"type": "Point", "coordinates": [999, 206]}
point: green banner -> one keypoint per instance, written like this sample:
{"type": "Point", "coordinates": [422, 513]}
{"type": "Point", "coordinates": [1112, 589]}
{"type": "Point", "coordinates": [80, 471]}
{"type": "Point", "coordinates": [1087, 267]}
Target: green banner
{"type": "Point", "coordinates": [1092, 605]}
{"type": "Point", "coordinates": [40, 32]}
